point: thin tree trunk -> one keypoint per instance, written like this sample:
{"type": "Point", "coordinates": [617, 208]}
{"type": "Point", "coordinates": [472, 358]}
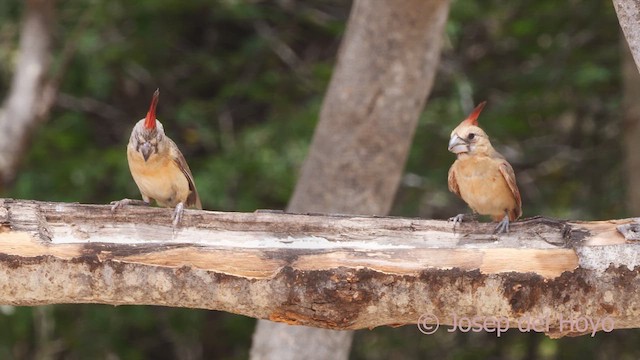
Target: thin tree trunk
{"type": "Point", "coordinates": [631, 127]}
{"type": "Point", "coordinates": [385, 70]}
{"type": "Point", "coordinates": [628, 12]}
{"type": "Point", "coordinates": [29, 99]}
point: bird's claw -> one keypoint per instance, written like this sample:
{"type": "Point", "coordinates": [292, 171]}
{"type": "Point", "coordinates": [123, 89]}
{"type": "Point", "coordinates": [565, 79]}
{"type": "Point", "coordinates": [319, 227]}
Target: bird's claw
{"type": "Point", "coordinates": [503, 226]}
{"type": "Point", "coordinates": [456, 220]}
{"type": "Point", "coordinates": [117, 204]}
{"type": "Point", "coordinates": [177, 214]}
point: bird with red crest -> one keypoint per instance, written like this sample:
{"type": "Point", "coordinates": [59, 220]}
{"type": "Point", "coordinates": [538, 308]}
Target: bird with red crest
{"type": "Point", "coordinates": [481, 176]}
{"type": "Point", "coordinates": [159, 168]}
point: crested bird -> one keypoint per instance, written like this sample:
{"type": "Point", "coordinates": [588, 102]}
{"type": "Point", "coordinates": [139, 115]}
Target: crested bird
{"type": "Point", "coordinates": [481, 176]}
{"type": "Point", "coordinates": [159, 168]}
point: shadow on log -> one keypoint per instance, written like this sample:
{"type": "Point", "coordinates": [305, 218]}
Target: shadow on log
{"type": "Point", "coordinates": [328, 271]}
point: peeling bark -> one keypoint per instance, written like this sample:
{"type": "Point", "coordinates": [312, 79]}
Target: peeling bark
{"type": "Point", "coordinates": [325, 271]}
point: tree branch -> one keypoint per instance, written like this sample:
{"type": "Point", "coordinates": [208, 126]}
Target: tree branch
{"type": "Point", "coordinates": [327, 271]}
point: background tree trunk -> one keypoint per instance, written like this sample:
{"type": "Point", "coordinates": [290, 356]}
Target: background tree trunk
{"type": "Point", "coordinates": [385, 70]}
{"type": "Point", "coordinates": [628, 12]}
{"type": "Point", "coordinates": [631, 127]}
{"type": "Point", "coordinates": [29, 98]}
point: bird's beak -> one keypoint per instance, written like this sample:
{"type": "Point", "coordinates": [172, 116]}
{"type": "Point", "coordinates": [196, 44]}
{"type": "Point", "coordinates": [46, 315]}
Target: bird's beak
{"type": "Point", "coordinates": [146, 150]}
{"type": "Point", "coordinates": [457, 145]}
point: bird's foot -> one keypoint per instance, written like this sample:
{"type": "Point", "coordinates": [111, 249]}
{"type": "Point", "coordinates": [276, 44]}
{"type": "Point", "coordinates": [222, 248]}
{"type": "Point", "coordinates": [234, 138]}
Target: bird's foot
{"type": "Point", "coordinates": [464, 217]}
{"type": "Point", "coordinates": [115, 205]}
{"type": "Point", "coordinates": [458, 219]}
{"type": "Point", "coordinates": [177, 214]}
{"type": "Point", "coordinates": [503, 225]}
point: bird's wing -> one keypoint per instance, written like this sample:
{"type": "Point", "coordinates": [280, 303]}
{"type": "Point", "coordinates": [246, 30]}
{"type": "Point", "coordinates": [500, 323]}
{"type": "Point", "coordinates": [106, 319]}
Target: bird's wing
{"type": "Point", "coordinates": [453, 183]}
{"type": "Point", "coordinates": [507, 172]}
{"type": "Point", "coordinates": [193, 200]}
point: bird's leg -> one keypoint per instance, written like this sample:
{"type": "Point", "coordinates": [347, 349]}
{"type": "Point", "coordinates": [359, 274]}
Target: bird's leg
{"type": "Point", "coordinates": [503, 225]}
{"type": "Point", "coordinates": [177, 214]}
{"type": "Point", "coordinates": [115, 205]}
{"type": "Point", "coordinates": [458, 219]}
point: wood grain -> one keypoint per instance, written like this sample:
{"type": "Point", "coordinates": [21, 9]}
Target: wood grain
{"type": "Point", "coordinates": [329, 271]}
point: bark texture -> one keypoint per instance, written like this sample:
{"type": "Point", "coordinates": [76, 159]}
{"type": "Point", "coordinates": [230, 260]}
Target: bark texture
{"type": "Point", "coordinates": [29, 98]}
{"type": "Point", "coordinates": [385, 69]}
{"type": "Point", "coordinates": [331, 272]}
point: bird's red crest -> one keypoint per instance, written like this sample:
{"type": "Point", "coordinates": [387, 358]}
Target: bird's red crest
{"type": "Point", "coordinates": [472, 119]}
{"type": "Point", "coordinates": [150, 120]}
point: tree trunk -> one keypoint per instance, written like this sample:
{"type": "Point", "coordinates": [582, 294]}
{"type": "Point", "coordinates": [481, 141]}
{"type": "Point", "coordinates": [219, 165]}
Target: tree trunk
{"type": "Point", "coordinates": [29, 99]}
{"type": "Point", "coordinates": [385, 69]}
{"type": "Point", "coordinates": [631, 127]}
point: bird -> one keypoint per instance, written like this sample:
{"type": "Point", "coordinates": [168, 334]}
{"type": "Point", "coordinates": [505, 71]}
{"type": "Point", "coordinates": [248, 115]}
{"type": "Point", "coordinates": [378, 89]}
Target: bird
{"type": "Point", "coordinates": [158, 168]}
{"type": "Point", "coordinates": [481, 176]}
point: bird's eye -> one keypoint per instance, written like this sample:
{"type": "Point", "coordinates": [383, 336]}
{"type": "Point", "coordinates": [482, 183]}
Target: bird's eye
{"type": "Point", "coordinates": [471, 136]}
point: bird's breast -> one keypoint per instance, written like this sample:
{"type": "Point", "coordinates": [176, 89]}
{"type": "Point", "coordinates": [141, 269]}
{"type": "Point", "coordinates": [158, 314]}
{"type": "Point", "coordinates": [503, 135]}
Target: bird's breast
{"type": "Point", "coordinates": [483, 186]}
{"type": "Point", "coordinates": [158, 178]}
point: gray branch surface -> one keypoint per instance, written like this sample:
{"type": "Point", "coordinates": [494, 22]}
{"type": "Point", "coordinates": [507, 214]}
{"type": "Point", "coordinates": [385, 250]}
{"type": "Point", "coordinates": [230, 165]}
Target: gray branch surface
{"type": "Point", "coordinates": [326, 271]}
